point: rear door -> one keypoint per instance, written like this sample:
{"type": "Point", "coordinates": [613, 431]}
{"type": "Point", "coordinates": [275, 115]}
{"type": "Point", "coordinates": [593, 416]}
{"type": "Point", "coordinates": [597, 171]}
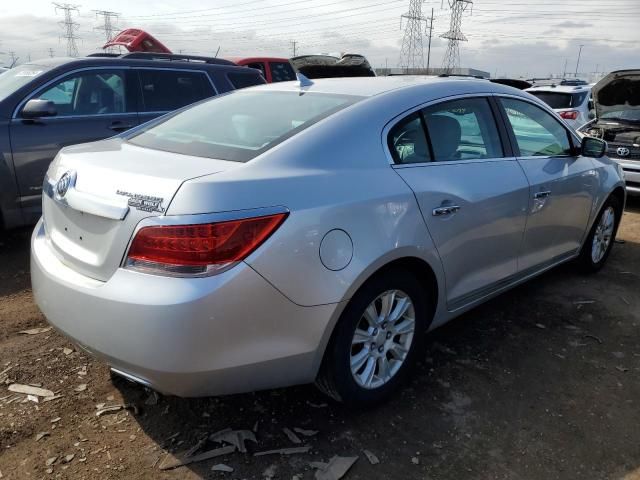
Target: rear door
{"type": "Point", "coordinates": [92, 104]}
{"type": "Point", "coordinates": [563, 183]}
{"type": "Point", "coordinates": [164, 90]}
{"type": "Point", "coordinates": [472, 193]}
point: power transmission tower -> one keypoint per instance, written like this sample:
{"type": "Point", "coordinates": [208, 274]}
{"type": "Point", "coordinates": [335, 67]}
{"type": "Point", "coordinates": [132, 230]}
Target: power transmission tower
{"type": "Point", "coordinates": [412, 52]}
{"type": "Point", "coordinates": [294, 48]}
{"type": "Point", "coordinates": [109, 24]}
{"type": "Point", "coordinates": [51, 54]}
{"type": "Point", "coordinates": [430, 35]}
{"type": "Point", "coordinates": [454, 35]}
{"type": "Point", "coordinates": [69, 26]}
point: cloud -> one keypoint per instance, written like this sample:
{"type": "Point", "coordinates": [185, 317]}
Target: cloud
{"type": "Point", "coordinates": [570, 24]}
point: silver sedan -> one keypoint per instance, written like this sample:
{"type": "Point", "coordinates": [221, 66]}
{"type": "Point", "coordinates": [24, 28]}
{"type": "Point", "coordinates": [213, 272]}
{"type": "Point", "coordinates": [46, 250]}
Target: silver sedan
{"type": "Point", "coordinates": [312, 232]}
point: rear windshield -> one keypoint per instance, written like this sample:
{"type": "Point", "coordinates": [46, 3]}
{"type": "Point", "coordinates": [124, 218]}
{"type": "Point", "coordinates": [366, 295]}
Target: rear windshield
{"type": "Point", "coordinates": [240, 126]}
{"type": "Point", "coordinates": [17, 77]}
{"type": "Point", "coordinates": [561, 100]}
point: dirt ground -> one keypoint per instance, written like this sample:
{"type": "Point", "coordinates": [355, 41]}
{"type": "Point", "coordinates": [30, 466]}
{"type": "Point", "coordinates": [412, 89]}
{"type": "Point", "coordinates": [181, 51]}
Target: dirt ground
{"type": "Point", "coordinates": [540, 383]}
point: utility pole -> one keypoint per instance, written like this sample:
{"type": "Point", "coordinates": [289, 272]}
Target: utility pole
{"type": "Point", "coordinates": [430, 35]}
{"type": "Point", "coordinates": [69, 26]}
{"type": "Point", "coordinates": [451, 58]}
{"type": "Point", "coordinates": [578, 62]}
{"type": "Point", "coordinates": [14, 59]}
{"type": "Point", "coordinates": [412, 52]}
{"type": "Point", "coordinates": [294, 48]}
{"type": "Point", "coordinates": [51, 55]}
{"type": "Point", "coordinates": [564, 72]}
{"type": "Point", "coordinates": [109, 20]}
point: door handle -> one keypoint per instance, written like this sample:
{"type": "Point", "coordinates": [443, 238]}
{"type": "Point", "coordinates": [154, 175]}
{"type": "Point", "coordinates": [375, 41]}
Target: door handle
{"type": "Point", "coordinates": [120, 126]}
{"type": "Point", "coordinates": [540, 195]}
{"type": "Point", "coordinates": [448, 210]}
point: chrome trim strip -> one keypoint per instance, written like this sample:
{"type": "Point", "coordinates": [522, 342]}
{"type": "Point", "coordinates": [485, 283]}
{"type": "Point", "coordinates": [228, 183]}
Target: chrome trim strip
{"type": "Point", "coordinates": [85, 202]}
{"type": "Point", "coordinates": [508, 282]}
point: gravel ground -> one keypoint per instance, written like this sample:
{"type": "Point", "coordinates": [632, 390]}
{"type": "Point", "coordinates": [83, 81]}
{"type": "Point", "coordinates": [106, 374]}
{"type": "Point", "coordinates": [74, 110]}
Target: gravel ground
{"type": "Point", "coordinates": [540, 383]}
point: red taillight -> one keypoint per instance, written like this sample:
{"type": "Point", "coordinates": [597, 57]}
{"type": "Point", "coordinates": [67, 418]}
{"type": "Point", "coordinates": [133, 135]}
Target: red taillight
{"type": "Point", "coordinates": [569, 114]}
{"type": "Point", "coordinates": [199, 249]}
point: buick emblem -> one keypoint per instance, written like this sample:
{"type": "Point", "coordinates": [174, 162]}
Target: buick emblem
{"type": "Point", "coordinates": [623, 152]}
{"type": "Point", "coordinates": [62, 187]}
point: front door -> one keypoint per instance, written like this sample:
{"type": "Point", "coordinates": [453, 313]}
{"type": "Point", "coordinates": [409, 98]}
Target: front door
{"type": "Point", "coordinates": [472, 195]}
{"type": "Point", "coordinates": [562, 183]}
{"type": "Point", "coordinates": [91, 105]}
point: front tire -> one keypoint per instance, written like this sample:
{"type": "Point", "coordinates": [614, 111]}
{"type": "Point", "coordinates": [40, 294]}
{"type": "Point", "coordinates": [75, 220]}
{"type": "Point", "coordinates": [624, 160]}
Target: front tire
{"type": "Point", "coordinates": [599, 242]}
{"type": "Point", "coordinates": [377, 340]}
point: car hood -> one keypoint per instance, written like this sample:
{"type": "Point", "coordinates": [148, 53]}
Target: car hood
{"type": "Point", "coordinates": [617, 91]}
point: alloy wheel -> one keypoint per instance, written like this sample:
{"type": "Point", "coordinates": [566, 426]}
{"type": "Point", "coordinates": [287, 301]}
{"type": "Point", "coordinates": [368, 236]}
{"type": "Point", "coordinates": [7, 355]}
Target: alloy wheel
{"type": "Point", "coordinates": [382, 339]}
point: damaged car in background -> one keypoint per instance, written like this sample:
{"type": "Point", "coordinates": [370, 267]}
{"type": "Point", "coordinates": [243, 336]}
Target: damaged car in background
{"type": "Point", "coordinates": [333, 66]}
{"type": "Point", "coordinates": [616, 101]}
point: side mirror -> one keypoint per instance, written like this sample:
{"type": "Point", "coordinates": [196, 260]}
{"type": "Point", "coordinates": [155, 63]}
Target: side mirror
{"type": "Point", "coordinates": [593, 147]}
{"type": "Point", "coordinates": [36, 108]}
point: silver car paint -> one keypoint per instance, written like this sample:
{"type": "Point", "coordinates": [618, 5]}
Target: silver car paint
{"type": "Point", "coordinates": [327, 182]}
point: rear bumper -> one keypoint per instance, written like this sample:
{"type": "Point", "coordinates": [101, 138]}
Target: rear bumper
{"type": "Point", "coordinates": [225, 334]}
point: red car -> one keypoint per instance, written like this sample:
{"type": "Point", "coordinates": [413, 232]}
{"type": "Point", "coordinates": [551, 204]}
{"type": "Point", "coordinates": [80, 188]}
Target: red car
{"type": "Point", "coordinates": [273, 69]}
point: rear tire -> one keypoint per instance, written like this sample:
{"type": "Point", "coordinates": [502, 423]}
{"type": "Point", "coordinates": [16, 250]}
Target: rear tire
{"type": "Point", "coordinates": [599, 242]}
{"type": "Point", "coordinates": [377, 340]}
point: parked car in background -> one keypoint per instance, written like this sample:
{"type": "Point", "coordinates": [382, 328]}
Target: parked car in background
{"type": "Point", "coordinates": [273, 69]}
{"type": "Point", "coordinates": [330, 66]}
{"type": "Point", "coordinates": [313, 231]}
{"type": "Point", "coordinates": [48, 104]}
{"type": "Point", "coordinates": [571, 102]}
{"type": "Point", "coordinates": [616, 100]}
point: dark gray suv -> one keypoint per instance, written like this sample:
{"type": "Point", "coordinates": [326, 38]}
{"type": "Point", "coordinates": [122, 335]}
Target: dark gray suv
{"type": "Point", "coordinates": [48, 104]}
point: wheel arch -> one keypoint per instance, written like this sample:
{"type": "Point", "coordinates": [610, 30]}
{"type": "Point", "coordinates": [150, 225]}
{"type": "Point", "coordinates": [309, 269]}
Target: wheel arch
{"type": "Point", "coordinates": [419, 267]}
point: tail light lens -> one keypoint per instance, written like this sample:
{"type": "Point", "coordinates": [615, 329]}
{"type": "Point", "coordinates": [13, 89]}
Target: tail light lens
{"type": "Point", "coordinates": [569, 114]}
{"type": "Point", "coordinates": [199, 250]}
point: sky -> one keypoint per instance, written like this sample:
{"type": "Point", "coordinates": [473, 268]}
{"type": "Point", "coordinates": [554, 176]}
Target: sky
{"type": "Point", "coordinates": [516, 38]}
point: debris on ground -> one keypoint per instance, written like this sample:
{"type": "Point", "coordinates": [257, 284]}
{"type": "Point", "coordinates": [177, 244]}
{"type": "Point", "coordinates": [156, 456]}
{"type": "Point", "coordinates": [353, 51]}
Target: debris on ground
{"type": "Point", "coordinates": [237, 438]}
{"type": "Point", "coordinates": [270, 472]}
{"type": "Point", "coordinates": [50, 461]}
{"type": "Point", "coordinates": [597, 339]}
{"type": "Point", "coordinates": [221, 467]}
{"type": "Point", "coordinates": [335, 469]}
{"type": "Point", "coordinates": [373, 460]}
{"type": "Point", "coordinates": [584, 302]}
{"type": "Point", "coordinates": [41, 435]}
{"type": "Point", "coordinates": [29, 390]}
{"type": "Point", "coordinates": [35, 331]}
{"type": "Point", "coordinates": [305, 433]}
{"type": "Point", "coordinates": [292, 436]}
{"type": "Point", "coordinates": [540, 326]}
{"type": "Point", "coordinates": [175, 461]}
{"type": "Point", "coordinates": [284, 451]}
{"type": "Point", "coordinates": [80, 388]}
{"type": "Point", "coordinates": [67, 351]}
{"type": "Point", "coordinates": [69, 457]}
{"type": "Point", "coordinates": [415, 461]}
{"type": "Point", "coordinates": [115, 408]}
{"type": "Point", "coordinates": [317, 405]}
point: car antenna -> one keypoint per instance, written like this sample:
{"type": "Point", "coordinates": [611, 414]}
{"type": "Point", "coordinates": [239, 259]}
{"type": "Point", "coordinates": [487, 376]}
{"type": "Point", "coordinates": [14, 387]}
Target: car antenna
{"type": "Point", "coordinates": [304, 81]}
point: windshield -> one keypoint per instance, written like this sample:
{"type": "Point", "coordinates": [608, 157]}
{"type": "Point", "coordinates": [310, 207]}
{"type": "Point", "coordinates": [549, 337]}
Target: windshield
{"type": "Point", "coordinates": [17, 77]}
{"type": "Point", "coordinates": [561, 100]}
{"type": "Point", "coordinates": [240, 126]}
{"type": "Point", "coordinates": [625, 115]}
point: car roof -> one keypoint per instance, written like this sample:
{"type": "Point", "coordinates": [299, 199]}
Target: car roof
{"type": "Point", "coordinates": [258, 59]}
{"type": "Point", "coordinates": [560, 88]}
{"type": "Point", "coordinates": [372, 86]}
{"type": "Point", "coordinates": [133, 60]}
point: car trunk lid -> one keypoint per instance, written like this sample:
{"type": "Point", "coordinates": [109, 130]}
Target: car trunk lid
{"type": "Point", "coordinates": [96, 194]}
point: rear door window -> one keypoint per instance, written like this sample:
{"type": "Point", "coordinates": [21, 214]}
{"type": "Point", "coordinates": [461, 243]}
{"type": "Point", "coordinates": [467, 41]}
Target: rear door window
{"type": "Point", "coordinates": [258, 66]}
{"type": "Point", "coordinates": [463, 130]}
{"type": "Point", "coordinates": [538, 134]}
{"type": "Point", "coordinates": [408, 142]}
{"type": "Point", "coordinates": [166, 90]}
{"type": "Point", "coordinates": [282, 72]}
